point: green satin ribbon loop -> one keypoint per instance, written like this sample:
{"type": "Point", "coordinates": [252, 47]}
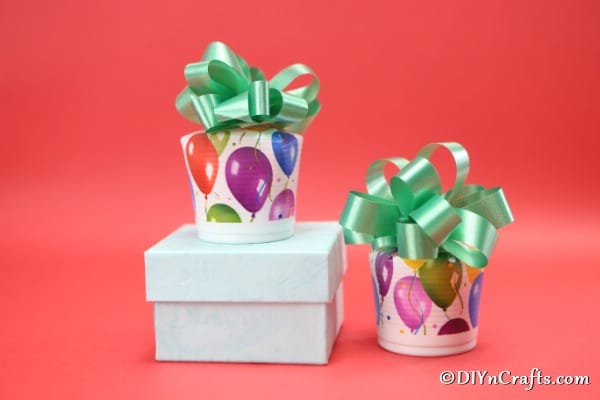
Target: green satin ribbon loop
{"type": "Point", "coordinates": [465, 191]}
{"type": "Point", "coordinates": [288, 108]}
{"type": "Point", "coordinates": [412, 215]}
{"type": "Point", "coordinates": [203, 106]}
{"type": "Point", "coordinates": [490, 203]}
{"type": "Point", "coordinates": [473, 240]}
{"type": "Point", "coordinates": [224, 92]}
{"type": "Point", "coordinates": [384, 243]}
{"type": "Point", "coordinates": [288, 75]}
{"type": "Point", "coordinates": [437, 218]}
{"type": "Point", "coordinates": [380, 211]}
{"type": "Point", "coordinates": [259, 101]}
{"type": "Point", "coordinates": [415, 184]}
{"type": "Point", "coordinates": [461, 161]}
{"type": "Point", "coordinates": [412, 242]}
{"type": "Point", "coordinates": [376, 183]}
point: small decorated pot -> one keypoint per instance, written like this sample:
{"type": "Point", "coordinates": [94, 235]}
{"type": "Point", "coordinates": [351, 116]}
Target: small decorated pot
{"type": "Point", "coordinates": [243, 166]}
{"type": "Point", "coordinates": [429, 250]}
{"type": "Point", "coordinates": [244, 183]}
{"type": "Point", "coordinates": [426, 307]}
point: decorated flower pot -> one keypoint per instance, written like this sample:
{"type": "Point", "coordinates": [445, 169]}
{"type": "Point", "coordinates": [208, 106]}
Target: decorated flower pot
{"type": "Point", "coordinates": [244, 183]}
{"type": "Point", "coordinates": [426, 307]}
{"type": "Point", "coordinates": [429, 251]}
{"type": "Point", "coordinates": [243, 166]}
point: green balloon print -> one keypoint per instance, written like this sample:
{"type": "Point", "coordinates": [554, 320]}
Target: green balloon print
{"type": "Point", "coordinates": [219, 140]}
{"type": "Point", "coordinates": [441, 279]}
{"type": "Point", "coordinates": [222, 213]}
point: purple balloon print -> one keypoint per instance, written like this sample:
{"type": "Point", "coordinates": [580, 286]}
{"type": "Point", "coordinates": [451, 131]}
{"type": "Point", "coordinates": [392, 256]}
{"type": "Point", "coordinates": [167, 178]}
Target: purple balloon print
{"type": "Point", "coordinates": [412, 303]}
{"type": "Point", "coordinates": [285, 148]}
{"type": "Point", "coordinates": [384, 269]}
{"type": "Point", "coordinates": [249, 177]}
{"type": "Point", "coordinates": [456, 325]}
{"type": "Point", "coordinates": [474, 299]}
{"type": "Point", "coordinates": [377, 305]}
{"type": "Point", "coordinates": [283, 206]}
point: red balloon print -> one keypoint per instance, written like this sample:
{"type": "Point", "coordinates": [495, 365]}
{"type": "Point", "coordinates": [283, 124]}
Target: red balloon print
{"type": "Point", "coordinates": [203, 161]}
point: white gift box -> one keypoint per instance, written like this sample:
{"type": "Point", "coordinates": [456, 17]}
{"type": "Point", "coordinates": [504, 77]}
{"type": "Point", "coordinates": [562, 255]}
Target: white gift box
{"type": "Point", "coordinates": [277, 302]}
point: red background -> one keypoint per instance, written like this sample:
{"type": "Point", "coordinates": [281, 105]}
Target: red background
{"type": "Point", "coordinates": [92, 175]}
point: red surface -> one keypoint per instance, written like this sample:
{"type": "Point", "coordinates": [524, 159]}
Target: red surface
{"type": "Point", "coordinates": [92, 175]}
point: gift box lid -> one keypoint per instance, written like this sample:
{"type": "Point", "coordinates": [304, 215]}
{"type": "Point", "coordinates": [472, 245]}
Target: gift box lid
{"type": "Point", "coordinates": [308, 267]}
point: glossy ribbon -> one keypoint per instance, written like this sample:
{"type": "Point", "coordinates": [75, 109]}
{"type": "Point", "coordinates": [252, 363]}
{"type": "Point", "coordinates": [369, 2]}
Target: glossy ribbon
{"type": "Point", "coordinates": [223, 92]}
{"type": "Point", "coordinates": [412, 215]}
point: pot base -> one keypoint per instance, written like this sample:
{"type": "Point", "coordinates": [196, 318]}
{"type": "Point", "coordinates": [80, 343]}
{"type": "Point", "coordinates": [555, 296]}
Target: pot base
{"type": "Point", "coordinates": [246, 233]}
{"type": "Point", "coordinates": [426, 351]}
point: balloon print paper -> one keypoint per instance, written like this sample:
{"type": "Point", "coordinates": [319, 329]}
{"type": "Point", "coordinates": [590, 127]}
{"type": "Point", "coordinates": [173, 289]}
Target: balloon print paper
{"type": "Point", "coordinates": [426, 307]}
{"type": "Point", "coordinates": [244, 183]}
{"type": "Point", "coordinates": [249, 178]}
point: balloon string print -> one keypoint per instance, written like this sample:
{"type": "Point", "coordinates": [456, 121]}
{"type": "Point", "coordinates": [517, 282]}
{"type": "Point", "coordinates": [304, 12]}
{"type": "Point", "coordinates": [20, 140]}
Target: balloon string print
{"type": "Point", "coordinates": [263, 183]}
{"type": "Point", "coordinates": [456, 288]}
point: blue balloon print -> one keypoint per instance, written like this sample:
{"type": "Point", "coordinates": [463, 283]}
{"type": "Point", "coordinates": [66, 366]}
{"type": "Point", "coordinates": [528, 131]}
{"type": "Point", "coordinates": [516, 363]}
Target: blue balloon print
{"type": "Point", "coordinates": [474, 299]}
{"type": "Point", "coordinates": [376, 298]}
{"type": "Point", "coordinates": [285, 148]}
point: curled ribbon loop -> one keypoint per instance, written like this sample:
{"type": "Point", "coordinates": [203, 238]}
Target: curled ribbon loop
{"type": "Point", "coordinates": [413, 216]}
{"type": "Point", "coordinates": [223, 92]}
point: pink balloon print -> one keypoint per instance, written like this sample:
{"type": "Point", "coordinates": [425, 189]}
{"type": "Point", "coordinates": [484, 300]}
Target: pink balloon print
{"type": "Point", "coordinates": [412, 303]}
{"type": "Point", "coordinates": [283, 205]}
{"type": "Point", "coordinates": [249, 177]}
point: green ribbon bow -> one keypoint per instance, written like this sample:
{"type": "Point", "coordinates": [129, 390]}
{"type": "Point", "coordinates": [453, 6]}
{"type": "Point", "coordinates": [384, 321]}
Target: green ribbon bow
{"type": "Point", "coordinates": [412, 215]}
{"type": "Point", "coordinates": [223, 92]}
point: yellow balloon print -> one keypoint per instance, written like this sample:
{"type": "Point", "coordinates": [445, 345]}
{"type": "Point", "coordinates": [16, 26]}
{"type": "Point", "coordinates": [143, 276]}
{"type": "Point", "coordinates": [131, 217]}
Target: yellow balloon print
{"type": "Point", "coordinates": [219, 140]}
{"type": "Point", "coordinates": [413, 264]}
{"type": "Point", "coordinates": [473, 272]}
